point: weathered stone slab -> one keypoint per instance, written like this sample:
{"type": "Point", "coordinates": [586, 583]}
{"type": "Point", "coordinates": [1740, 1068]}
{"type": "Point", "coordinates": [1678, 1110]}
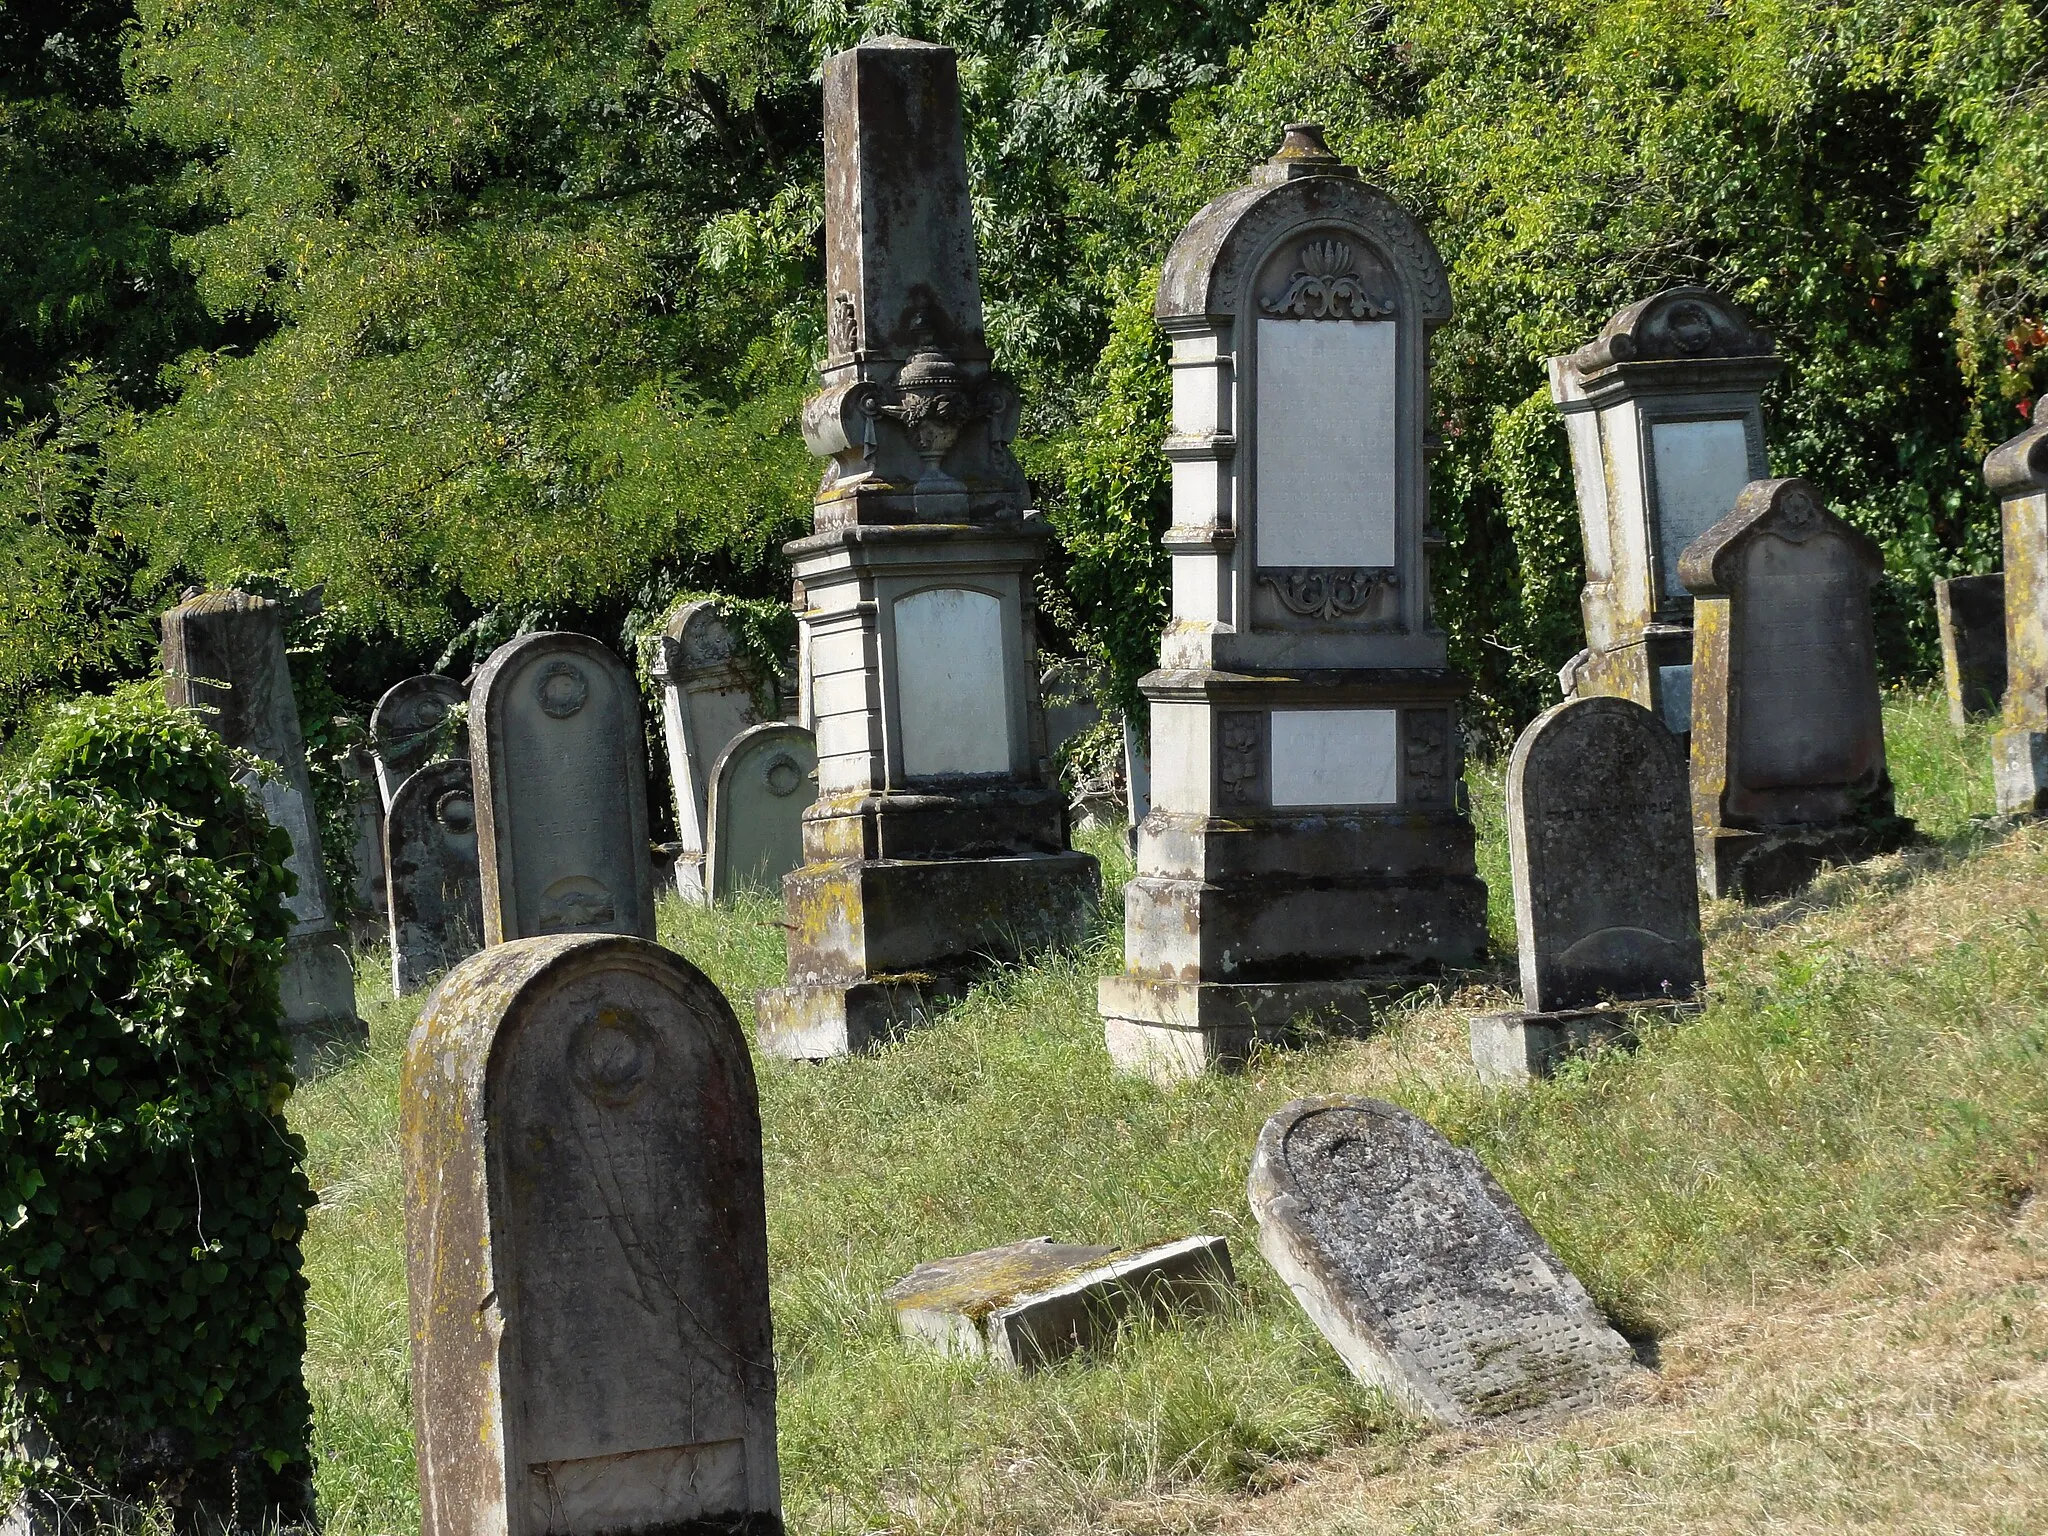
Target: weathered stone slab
{"type": "Point", "coordinates": [1419, 1269]}
{"type": "Point", "coordinates": [1036, 1302]}
{"type": "Point", "coordinates": [1600, 839]}
{"type": "Point", "coordinates": [561, 787]}
{"type": "Point", "coordinates": [1971, 611]}
{"type": "Point", "coordinates": [587, 1251]}
{"type": "Point", "coordinates": [409, 728]}
{"type": "Point", "coordinates": [368, 918]}
{"type": "Point", "coordinates": [436, 897]}
{"type": "Point", "coordinates": [2017, 473]}
{"type": "Point", "coordinates": [762, 784]}
{"type": "Point", "coordinates": [224, 658]}
{"type": "Point", "coordinates": [708, 697]}
{"type": "Point", "coordinates": [1511, 1048]}
{"type": "Point", "coordinates": [1788, 760]}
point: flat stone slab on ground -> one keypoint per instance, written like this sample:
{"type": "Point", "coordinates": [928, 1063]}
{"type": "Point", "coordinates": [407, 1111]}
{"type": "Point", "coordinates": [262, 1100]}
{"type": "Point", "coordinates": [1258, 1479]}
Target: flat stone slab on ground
{"type": "Point", "coordinates": [1419, 1269]}
{"type": "Point", "coordinates": [1035, 1302]}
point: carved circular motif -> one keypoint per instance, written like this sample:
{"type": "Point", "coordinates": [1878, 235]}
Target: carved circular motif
{"type": "Point", "coordinates": [610, 1056]}
{"type": "Point", "coordinates": [456, 810]}
{"type": "Point", "coordinates": [1798, 514]}
{"type": "Point", "coordinates": [1692, 328]}
{"type": "Point", "coordinates": [1348, 1151]}
{"type": "Point", "coordinates": [561, 688]}
{"type": "Point", "coordinates": [782, 774]}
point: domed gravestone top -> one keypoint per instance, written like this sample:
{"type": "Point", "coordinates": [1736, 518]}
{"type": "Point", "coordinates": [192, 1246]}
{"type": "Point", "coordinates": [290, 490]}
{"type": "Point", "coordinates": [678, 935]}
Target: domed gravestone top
{"type": "Point", "coordinates": [435, 901]}
{"type": "Point", "coordinates": [408, 728]}
{"type": "Point", "coordinates": [1420, 1270]}
{"type": "Point", "coordinates": [764, 782]}
{"type": "Point", "coordinates": [587, 1249]}
{"type": "Point", "coordinates": [561, 787]}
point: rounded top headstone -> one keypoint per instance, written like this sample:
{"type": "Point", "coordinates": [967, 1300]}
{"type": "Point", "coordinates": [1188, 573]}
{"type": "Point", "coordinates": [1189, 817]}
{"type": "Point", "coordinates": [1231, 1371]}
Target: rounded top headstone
{"type": "Point", "coordinates": [1678, 325]}
{"type": "Point", "coordinates": [1789, 509]}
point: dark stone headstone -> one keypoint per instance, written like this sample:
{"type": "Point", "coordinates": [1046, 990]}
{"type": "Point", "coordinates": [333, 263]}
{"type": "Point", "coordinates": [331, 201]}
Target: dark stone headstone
{"type": "Point", "coordinates": [1419, 1269]}
{"type": "Point", "coordinates": [1971, 610]}
{"type": "Point", "coordinates": [436, 902]}
{"type": "Point", "coordinates": [587, 1249]}
{"type": "Point", "coordinates": [409, 728]}
{"type": "Point", "coordinates": [761, 785]}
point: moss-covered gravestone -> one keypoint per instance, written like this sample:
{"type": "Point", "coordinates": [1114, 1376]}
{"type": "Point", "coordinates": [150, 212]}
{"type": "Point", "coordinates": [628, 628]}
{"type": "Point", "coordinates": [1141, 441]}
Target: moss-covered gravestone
{"type": "Point", "coordinates": [435, 899]}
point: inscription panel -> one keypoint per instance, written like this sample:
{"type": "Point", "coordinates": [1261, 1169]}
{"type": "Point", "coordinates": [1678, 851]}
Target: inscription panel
{"type": "Point", "coordinates": [1328, 443]}
{"type": "Point", "coordinates": [953, 682]}
{"type": "Point", "coordinates": [1701, 467]}
{"type": "Point", "coordinates": [1335, 757]}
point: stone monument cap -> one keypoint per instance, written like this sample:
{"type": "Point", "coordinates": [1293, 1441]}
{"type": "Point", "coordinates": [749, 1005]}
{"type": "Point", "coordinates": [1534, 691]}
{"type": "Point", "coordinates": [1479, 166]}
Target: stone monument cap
{"type": "Point", "coordinates": [2019, 465]}
{"type": "Point", "coordinates": [1789, 508]}
{"type": "Point", "coordinates": [1687, 326]}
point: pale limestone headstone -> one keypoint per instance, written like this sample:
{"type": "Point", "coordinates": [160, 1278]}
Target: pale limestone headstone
{"type": "Point", "coordinates": [587, 1249]}
{"type": "Point", "coordinates": [224, 658]}
{"type": "Point", "coordinates": [1421, 1272]}
{"type": "Point", "coordinates": [762, 784]}
{"type": "Point", "coordinates": [1971, 612]}
{"type": "Point", "coordinates": [707, 698]}
{"type": "Point", "coordinates": [2016, 472]}
{"type": "Point", "coordinates": [436, 900]}
{"type": "Point", "coordinates": [409, 728]}
{"type": "Point", "coordinates": [561, 786]}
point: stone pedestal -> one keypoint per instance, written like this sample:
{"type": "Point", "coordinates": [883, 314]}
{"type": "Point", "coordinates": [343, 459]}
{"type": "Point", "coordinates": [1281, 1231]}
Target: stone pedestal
{"type": "Point", "coordinates": [224, 658]}
{"type": "Point", "coordinates": [2017, 472]}
{"type": "Point", "coordinates": [1788, 760]}
{"type": "Point", "coordinates": [1307, 847]}
{"type": "Point", "coordinates": [1666, 426]}
{"type": "Point", "coordinates": [938, 841]}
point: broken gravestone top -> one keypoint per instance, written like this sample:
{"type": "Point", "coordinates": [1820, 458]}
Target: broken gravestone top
{"type": "Point", "coordinates": [1420, 1270]}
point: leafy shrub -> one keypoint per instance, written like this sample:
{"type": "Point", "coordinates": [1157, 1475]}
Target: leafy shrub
{"type": "Point", "coordinates": [152, 1314]}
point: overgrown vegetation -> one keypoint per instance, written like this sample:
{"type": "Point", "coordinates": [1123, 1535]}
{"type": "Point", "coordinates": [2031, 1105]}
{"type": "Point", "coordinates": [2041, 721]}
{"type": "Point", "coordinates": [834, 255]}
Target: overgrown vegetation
{"type": "Point", "coordinates": [152, 1310]}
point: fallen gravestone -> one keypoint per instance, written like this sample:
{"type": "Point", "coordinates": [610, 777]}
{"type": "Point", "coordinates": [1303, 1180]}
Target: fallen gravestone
{"type": "Point", "coordinates": [762, 784]}
{"type": "Point", "coordinates": [707, 698]}
{"type": "Point", "coordinates": [1606, 905]}
{"type": "Point", "coordinates": [409, 728]}
{"type": "Point", "coordinates": [561, 791]}
{"type": "Point", "coordinates": [587, 1250]}
{"type": "Point", "coordinates": [1971, 610]}
{"type": "Point", "coordinates": [1036, 1302]}
{"type": "Point", "coordinates": [1419, 1269]}
{"type": "Point", "coordinates": [1788, 762]}
{"type": "Point", "coordinates": [435, 898]}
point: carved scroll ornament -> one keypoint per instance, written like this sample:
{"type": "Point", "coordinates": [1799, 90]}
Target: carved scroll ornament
{"type": "Point", "coordinates": [1310, 592]}
{"type": "Point", "coordinates": [1327, 285]}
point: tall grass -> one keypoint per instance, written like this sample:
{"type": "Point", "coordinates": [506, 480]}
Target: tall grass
{"type": "Point", "coordinates": [1844, 1093]}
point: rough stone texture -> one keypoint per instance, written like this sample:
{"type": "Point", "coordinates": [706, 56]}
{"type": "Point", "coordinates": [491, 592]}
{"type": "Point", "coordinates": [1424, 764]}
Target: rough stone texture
{"type": "Point", "coordinates": [368, 918]}
{"type": "Point", "coordinates": [409, 728]}
{"type": "Point", "coordinates": [1509, 1048]}
{"type": "Point", "coordinates": [587, 1250]}
{"type": "Point", "coordinates": [1971, 610]}
{"type": "Point", "coordinates": [561, 787]}
{"type": "Point", "coordinates": [930, 850]}
{"type": "Point", "coordinates": [1037, 1302]}
{"type": "Point", "coordinates": [1663, 409]}
{"type": "Point", "coordinates": [763, 782]}
{"type": "Point", "coordinates": [436, 898]}
{"type": "Point", "coordinates": [1600, 838]}
{"type": "Point", "coordinates": [1788, 764]}
{"type": "Point", "coordinates": [707, 698]}
{"type": "Point", "coordinates": [1419, 1269]}
{"type": "Point", "coordinates": [2017, 473]}
{"type": "Point", "coordinates": [1305, 846]}
{"type": "Point", "coordinates": [224, 658]}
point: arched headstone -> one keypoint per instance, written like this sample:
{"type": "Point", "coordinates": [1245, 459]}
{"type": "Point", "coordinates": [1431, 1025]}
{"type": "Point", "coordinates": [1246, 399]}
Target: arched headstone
{"type": "Point", "coordinates": [436, 900]}
{"type": "Point", "coordinates": [561, 785]}
{"type": "Point", "coordinates": [587, 1249]}
{"type": "Point", "coordinates": [407, 728]}
{"type": "Point", "coordinates": [707, 699]}
{"type": "Point", "coordinates": [763, 783]}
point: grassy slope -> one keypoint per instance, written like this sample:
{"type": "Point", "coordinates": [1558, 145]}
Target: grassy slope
{"type": "Point", "coordinates": [1869, 1074]}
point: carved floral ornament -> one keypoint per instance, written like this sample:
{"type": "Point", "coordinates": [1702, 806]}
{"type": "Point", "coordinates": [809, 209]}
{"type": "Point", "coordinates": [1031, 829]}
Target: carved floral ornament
{"type": "Point", "coordinates": [1312, 592]}
{"type": "Point", "coordinates": [1327, 285]}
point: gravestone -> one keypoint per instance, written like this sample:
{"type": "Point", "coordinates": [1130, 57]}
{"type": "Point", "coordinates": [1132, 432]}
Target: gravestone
{"type": "Point", "coordinates": [761, 786]}
{"type": "Point", "coordinates": [368, 916]}
{"type": "Point", "coordinates": [1421, 1272]}
{"type": "Point", "coordinates": [586, 1249]}
{"type": "Point", "coordinates": [1788, 761]}
{"type": "Point", "coordinates": [707, 698]}
{"type": "Point", "coordinates": [409, 728]}
{"type": "Point", "coordinates": [2017, 473]}
{"type": "Point", "coordinates": [939, 842]}
{"type": "Point", "coordinates": [436, 899]}
{"type": "Point", "coordinates": [1606, 904]}
{"type": "Point", "coordinates": [1971, 612]}
{"type": "Point", "coordinates": [1664, 410]}
{"type": "Point", "coordinates": [561, 791]}
{"type": "Point", "coordinates": [224, 658]}
{"type": "Point", "coordinates": [1306, 851]}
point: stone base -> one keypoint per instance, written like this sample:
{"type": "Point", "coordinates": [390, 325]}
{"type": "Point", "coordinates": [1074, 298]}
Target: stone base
{"type": "Point", "coordinates": [318, 991]}
{"type": "Point", "coordinates": [1517, 1047]}
{"type": "Point", "coordinates": [1170, 1031]}
{"type": "Point", "coordinates": [2019, 768]}
{"type": "Point", "coordinates": [823, 1020]}
{"type": "Point", "coordinates": [1766, 866]}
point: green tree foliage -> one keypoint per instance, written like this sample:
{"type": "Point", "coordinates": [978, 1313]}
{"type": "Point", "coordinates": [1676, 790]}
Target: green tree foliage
{"type": "Point", "coordinates": [152, 1315]}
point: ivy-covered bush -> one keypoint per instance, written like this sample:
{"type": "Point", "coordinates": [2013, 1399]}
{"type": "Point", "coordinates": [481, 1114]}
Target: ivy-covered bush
{"type": "Point", "coordinates": [152, 1314]}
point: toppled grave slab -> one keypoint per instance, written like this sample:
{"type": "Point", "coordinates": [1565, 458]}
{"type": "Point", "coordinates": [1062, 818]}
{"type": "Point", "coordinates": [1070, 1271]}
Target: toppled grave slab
{"type": "Point", "coordinates": [1421, 1271]}
{"type": "Point", "coordinates": [1035, 1302]}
